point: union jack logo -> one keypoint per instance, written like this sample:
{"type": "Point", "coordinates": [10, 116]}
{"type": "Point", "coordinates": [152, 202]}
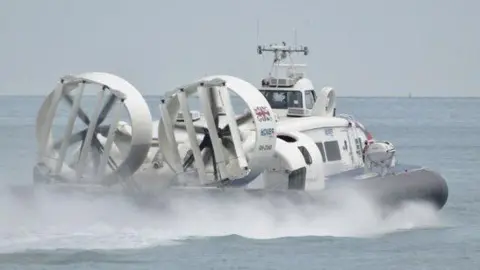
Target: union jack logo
{"type": "Point", "coordinates": [263, 114]}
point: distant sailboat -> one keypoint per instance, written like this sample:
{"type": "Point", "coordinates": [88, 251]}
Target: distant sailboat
{"type": "Point", "coordinates": [409, 95]}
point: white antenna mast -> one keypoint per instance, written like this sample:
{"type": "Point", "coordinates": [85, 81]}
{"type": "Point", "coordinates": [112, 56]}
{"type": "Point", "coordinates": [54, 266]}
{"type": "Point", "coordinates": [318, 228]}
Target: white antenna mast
{"type": "Point", "coordinates": [281, 52]}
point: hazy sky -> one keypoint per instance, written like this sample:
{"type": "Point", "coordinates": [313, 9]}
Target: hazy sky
{"type": "Point", "coordinates": [369, 47]}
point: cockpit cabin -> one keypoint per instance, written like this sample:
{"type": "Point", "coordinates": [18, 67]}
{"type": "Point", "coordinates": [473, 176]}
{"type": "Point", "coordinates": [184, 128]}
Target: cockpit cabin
{"type": "Point", "coordinates": [289, 96]}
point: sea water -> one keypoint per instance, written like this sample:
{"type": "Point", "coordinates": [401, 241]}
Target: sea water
{"type": "Point", "coordinates": [77, 232]}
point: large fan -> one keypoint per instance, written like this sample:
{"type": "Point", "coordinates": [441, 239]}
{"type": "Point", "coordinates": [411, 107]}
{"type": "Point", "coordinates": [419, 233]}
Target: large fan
{"type": "Point", "coordinates": [107, 151]}
{"type": "Point", "coordinates": [231, 144]}
{"type": "Point", "coordinates": [225, 136]}
{"type": "Point", "coordinates": [81, 136]}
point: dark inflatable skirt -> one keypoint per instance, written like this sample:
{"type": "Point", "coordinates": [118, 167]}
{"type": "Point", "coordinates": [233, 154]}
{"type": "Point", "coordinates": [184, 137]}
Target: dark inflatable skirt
{"type": "Point", "coordinates": [404, 183]}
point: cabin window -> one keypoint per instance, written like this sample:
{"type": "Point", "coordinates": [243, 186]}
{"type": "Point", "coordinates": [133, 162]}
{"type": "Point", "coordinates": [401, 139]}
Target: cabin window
{"type": "Point", "coordinates": [309, 99]}
{"type": "Point", "coordinates": [305, 154]}
{"type": "Point", "coordinates": [283, 99]}
{"type": "Point", "coordinates": [333, 151]}
{"type": "Point", "coordinates": [322, 151]}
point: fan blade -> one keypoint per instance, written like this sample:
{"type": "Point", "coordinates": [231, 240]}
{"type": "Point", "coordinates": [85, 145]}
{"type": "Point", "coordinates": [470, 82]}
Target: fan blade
{"type": "Point", "coordinates": [206, 142]}
{"type": "Point", "coordinates": [79, 136]}
{"type": "Point", "coordinates": [81, 145]}
{"type": "Point", "coordinates": [98, 145]}
{"type": "Point", "coordinates": [106, 108]}
{"type": "Point", "coordinates": [103, 130]}
{"type": "Point", "coordinates": [81, 114]}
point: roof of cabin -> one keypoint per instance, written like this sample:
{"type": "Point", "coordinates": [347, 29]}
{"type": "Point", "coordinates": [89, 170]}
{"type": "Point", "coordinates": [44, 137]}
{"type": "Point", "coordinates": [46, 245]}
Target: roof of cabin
{"type": "Point", "coordinates": [301, 84]}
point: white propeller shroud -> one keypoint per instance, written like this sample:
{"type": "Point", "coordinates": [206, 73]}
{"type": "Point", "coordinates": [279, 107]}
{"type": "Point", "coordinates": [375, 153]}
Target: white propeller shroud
{"type": "Point", "coordinates": [52, 154]}
{"type": "Point", "coordinates": [253, 140]}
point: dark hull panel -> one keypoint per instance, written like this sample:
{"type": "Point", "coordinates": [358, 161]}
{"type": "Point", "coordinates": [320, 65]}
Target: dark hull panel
{"type": "Point", "coordinates": [404, 183]}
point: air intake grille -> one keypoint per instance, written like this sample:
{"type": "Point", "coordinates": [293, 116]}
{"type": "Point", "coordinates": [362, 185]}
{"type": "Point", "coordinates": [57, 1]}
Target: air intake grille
{"type": "Point", "coordinates": [296, 179]}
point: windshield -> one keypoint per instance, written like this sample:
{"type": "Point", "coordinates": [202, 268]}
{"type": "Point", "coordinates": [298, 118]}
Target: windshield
{"type": "Point", "coordinates": [283, 99]}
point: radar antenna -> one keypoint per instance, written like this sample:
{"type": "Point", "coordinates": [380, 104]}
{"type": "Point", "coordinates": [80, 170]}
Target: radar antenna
{"type": "Point", "coordinates": [282, 52]}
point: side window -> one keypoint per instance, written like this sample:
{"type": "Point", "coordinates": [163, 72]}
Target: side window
{"type": "Point", "coordinates": [322, 151]}
{"type": "Point", "coordinates": [309, 99]}
{"type": "Point", "coordinates": [333, 151]}
{"type": "Point", "coordinates": [295, 99]}
{"type": "Point", "coordinates": [305, 154]}
{"type": "Point", "coordinates": [277, 100]}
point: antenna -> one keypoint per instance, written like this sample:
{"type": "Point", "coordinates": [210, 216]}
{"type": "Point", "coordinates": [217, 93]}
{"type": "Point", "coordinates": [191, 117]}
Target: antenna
{"type": "Point", "coordinates": [282, 52]}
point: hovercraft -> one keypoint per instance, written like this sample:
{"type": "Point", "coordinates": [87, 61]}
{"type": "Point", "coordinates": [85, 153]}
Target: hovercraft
{"type": "Point", "coordinates": [287, 138]}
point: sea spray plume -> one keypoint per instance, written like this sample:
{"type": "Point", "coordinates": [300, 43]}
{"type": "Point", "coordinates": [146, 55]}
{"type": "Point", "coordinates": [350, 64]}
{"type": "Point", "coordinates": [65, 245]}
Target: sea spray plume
{"type": "Point", "coordinates": [83, 222]}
